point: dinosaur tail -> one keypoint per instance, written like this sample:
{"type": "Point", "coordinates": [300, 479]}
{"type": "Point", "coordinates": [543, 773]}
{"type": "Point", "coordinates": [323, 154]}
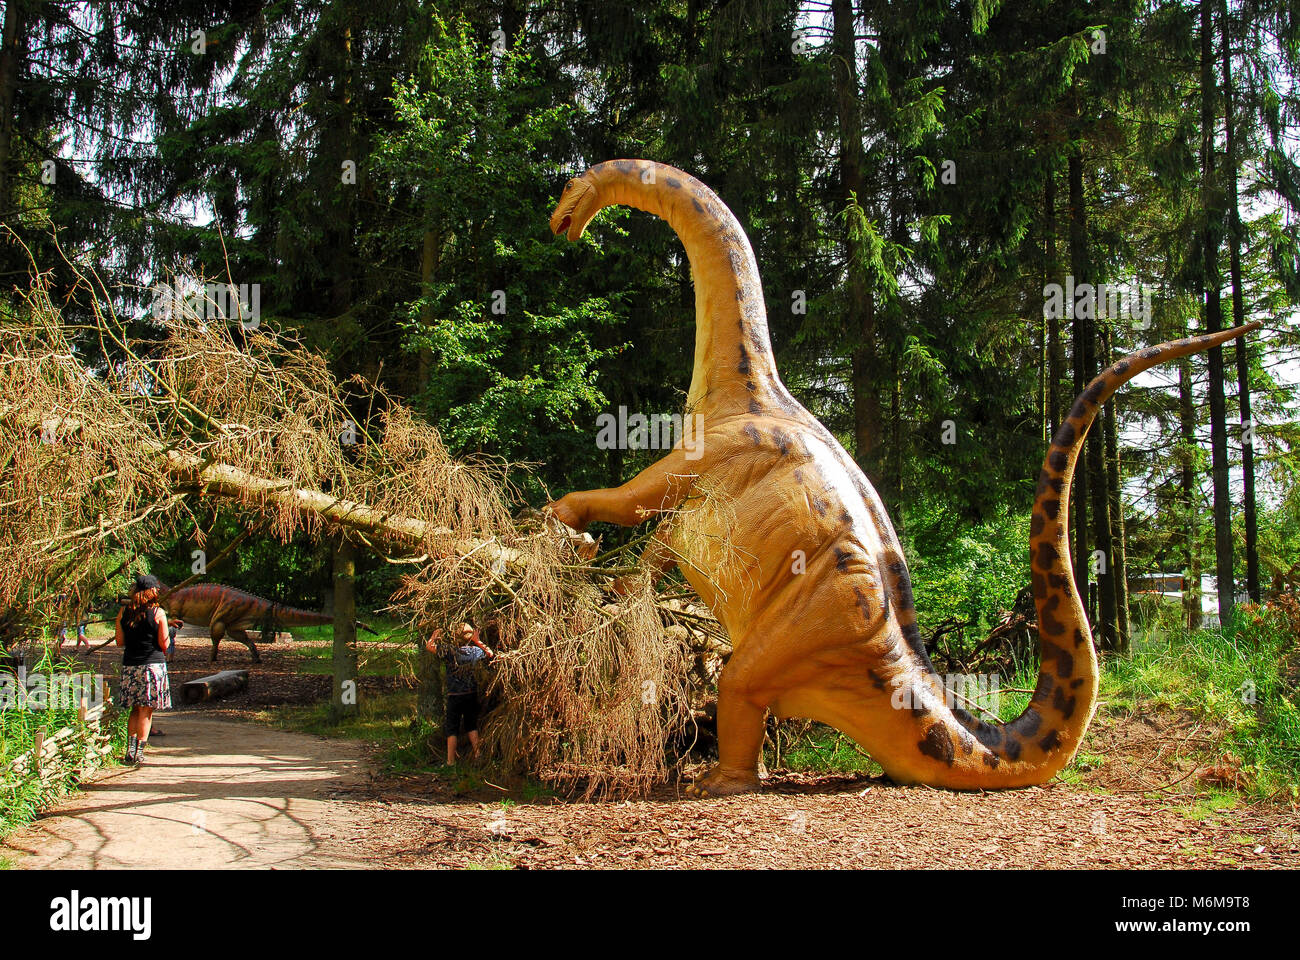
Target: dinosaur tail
{"type": "Point", "coordinates": [1035, 746]}
{"type": "Point", "coordinates": [734, 365]}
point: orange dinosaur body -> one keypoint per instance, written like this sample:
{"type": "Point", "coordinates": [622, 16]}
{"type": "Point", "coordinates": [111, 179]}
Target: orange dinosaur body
{"type": "Point", "coordinates": [816, 595]}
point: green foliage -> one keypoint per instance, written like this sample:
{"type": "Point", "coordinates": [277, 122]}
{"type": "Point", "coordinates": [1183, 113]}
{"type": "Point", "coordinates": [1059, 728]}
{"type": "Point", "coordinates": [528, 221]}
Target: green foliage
{"type": "Point", "coordinates": [22, 799]}
{"type": "Point", "coordinates": [967, 573]}
{"type": "Point", "coordinates": [1247, 681]}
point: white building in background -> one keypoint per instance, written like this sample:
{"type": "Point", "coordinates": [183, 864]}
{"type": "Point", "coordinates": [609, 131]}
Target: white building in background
{"type": "Point", "coordinates": [1170, 585]}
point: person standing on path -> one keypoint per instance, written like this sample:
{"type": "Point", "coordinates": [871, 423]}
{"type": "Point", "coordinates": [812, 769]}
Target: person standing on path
{"type": "Point", "coordinates": [141, 632]}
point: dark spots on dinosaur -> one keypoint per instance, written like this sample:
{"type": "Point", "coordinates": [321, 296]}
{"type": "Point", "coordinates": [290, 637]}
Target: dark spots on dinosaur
{"type": "Point", "coordinates": [1150, 352]}
{"type": "Point", "coordinates": [1063, 703]}
{"type": "Point", "coordinates": [798, 475]}
{"type": "Point", "coordinates": [1047, 555]}
{"type": "Point", "coordinates": [1064, 659]}
{"type": "Point", "coordinates": [1012, 749]}
{"type": "Point", "coordinates": [1121, 368]}
{"type": "Point", "coordinates": [754, 406]}
{"type": "Point", "coordinates": [893, 654]}
{"type": "Point", "coordinates": [751, 386]}
{"type": "Point", "coordinates": [673, 183]}
{"type": "Point", "coordinates": [753, 434]}
{"type": "Point", "coordinates": [967, 742]}
{"type": "Point", "coordinates": [1080, 410]}
{"type": "Point", "coordinates": [1058, 460]}
{"type": "Point", "coordinates": [1050, 742]}
{"type": "Point", "coordinates": [912, 634]}
{"type": "Point", "coordinates": [1038, 583]}
{"type": "Point", "coordinates": [1056, 581]}
{"type": "Point", "coordinates": [989, 734]}
{"type": "Point", "coordinates": [1047, 481]}
{"type": "Point", "coordinates": [1047, 621]}
{"type": "Point", "coordinates": [864, 605]}
{"type": "Point", "coordinates": [919, 708]}
{"type": "Point", "coordinates": [842, 560]}
{"type": "Point", "coordinates": [1094, 391]}
{"type": "Point", "coordinates": [1025, 725]}
{"type": "Point", "coordinates": [898, 568]}
{"type": "Point", "coordinates": [1078, 636]}
{"type": "Point", "coordinates": [991, 760]}
{"type": "Point", "coordinates": [1076, 683]}
{"type": "Point", "coordinates": [1036, 524]}
{"type": "Point", "coordinates": [783, 442]}
{"type": "Point", "coordinates": [937, 744]}
{"type": "Point", "coordinates": [1043, 689]}
{"type": "Point", "coordinates": [743, 367]}
{"type": "Point", "coordinates": [624, 166]}
{"type": "Point", "coordinates": [820, 506]}
{"type": "Point", "coordinates": [755, 339]}
{"type": "Point", "coordinates": [696, 204]}
{"type": "Point", "coordinates": [876, 680]}
{"type": "Point", "coordinates": [846, 517]}
{"type": "Point", "coordinates": [1052, 508]}
{"type": "Point", "coordinates": [1064, 434]}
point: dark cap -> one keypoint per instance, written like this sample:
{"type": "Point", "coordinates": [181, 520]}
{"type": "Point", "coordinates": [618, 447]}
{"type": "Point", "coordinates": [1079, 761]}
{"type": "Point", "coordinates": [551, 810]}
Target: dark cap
{"type": "Point", "coordinates": [146, 581]}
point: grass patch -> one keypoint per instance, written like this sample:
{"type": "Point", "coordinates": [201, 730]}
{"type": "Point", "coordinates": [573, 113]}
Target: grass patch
{"type": "Point", "coordinates": [391, 654]}
{"type": "Point", "coordinates": [1233, 678]}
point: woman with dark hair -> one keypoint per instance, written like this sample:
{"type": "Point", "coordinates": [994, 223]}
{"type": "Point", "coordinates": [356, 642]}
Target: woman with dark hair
{"type": "Point", "coordinates": [141, 631]}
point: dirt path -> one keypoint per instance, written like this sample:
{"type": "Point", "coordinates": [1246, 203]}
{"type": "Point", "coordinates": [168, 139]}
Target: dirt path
{"type": "Point", "coordinates": [213, 794]}
{"type": "Point", "coordinates": [222, 791]}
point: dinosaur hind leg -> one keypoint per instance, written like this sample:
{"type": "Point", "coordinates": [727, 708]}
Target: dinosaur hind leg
{"type": "Point", "coordinates": [242, 637]}
{"type": "Point", "coordinates": [216, 631]}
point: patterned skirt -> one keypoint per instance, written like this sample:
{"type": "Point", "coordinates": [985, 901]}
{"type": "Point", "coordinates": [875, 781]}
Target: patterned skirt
{"type": "Point", "coordinates": [146, 685]}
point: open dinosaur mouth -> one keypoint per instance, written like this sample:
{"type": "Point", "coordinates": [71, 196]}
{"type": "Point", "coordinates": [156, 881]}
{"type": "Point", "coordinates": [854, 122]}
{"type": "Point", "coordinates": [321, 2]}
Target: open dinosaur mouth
{"type": "Point", "coordinates": [564, 226]}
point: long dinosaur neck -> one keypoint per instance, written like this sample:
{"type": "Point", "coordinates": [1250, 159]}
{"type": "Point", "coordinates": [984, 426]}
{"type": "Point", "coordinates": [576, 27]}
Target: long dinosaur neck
{"type": "Point", "coordinates": [735, 371]}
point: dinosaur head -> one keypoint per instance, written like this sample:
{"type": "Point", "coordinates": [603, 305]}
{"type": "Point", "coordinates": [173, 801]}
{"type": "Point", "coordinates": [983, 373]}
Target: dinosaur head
{"type": "Point", "coordinates": [579, 202]}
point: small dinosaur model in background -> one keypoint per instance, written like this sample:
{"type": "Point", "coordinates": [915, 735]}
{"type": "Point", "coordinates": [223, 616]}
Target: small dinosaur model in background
{"type": "Point", "coordinates": [820, 608]}
{"type": "Point", "coordinates": [228, 611]}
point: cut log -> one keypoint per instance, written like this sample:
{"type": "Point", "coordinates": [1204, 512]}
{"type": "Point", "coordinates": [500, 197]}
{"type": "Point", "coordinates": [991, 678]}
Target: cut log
{"type": "Point", "coordinates": [215, 687]}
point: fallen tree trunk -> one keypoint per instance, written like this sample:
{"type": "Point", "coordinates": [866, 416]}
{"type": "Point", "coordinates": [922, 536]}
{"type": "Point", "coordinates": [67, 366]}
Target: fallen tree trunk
{"type": "Point", "coordinates": [215, 687]}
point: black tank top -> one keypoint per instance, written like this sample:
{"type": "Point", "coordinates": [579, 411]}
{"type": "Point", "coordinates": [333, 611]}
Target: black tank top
{"type": "Point", "coordinates": [141, 644]}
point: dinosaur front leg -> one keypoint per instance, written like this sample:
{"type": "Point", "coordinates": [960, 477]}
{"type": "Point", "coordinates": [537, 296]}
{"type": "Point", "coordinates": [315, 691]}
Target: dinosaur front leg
{"type": "Point", "coordinates": [740, 740]}
{"type": "Point", "coordinates": [658, 488]}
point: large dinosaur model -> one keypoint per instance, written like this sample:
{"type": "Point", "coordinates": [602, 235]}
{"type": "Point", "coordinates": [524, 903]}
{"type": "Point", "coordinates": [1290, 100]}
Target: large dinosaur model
{"type": "Point", "coordinates": [820, 609]}
{"type": "Point", "coordinates": [230, 611]}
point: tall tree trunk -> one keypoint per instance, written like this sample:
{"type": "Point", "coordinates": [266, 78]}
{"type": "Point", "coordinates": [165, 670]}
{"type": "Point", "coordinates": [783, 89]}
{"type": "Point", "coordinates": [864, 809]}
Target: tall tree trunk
{"type": "Point", "coordinates": [1099, 491]}
{"type": "Point", "coordinates": [1211, 283]}
{"type": "Point", "coordinates": [1079, 334]}
{"type": "Point", "coordinates": [861, 319]}
{"type": "Point", "coordinates": [1190, 496]}
{"type": "Point", "coordinates": [429, 690]}
{"type": "Point", "coordinates": [1115, 498]}
{"type": "Point", "coordinates": [343, 702]}
{"type": "Point", "coordinates": [1249, 509]}
{"type": "Point", "coordinates": [1055, 344]}
{"type": "Point", "coordinates": [11, 54]}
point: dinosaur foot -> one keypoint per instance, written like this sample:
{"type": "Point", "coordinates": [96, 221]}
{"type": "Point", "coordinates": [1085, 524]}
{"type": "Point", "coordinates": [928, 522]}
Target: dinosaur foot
{"type": "Point", "coordinates": [719, 783]}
